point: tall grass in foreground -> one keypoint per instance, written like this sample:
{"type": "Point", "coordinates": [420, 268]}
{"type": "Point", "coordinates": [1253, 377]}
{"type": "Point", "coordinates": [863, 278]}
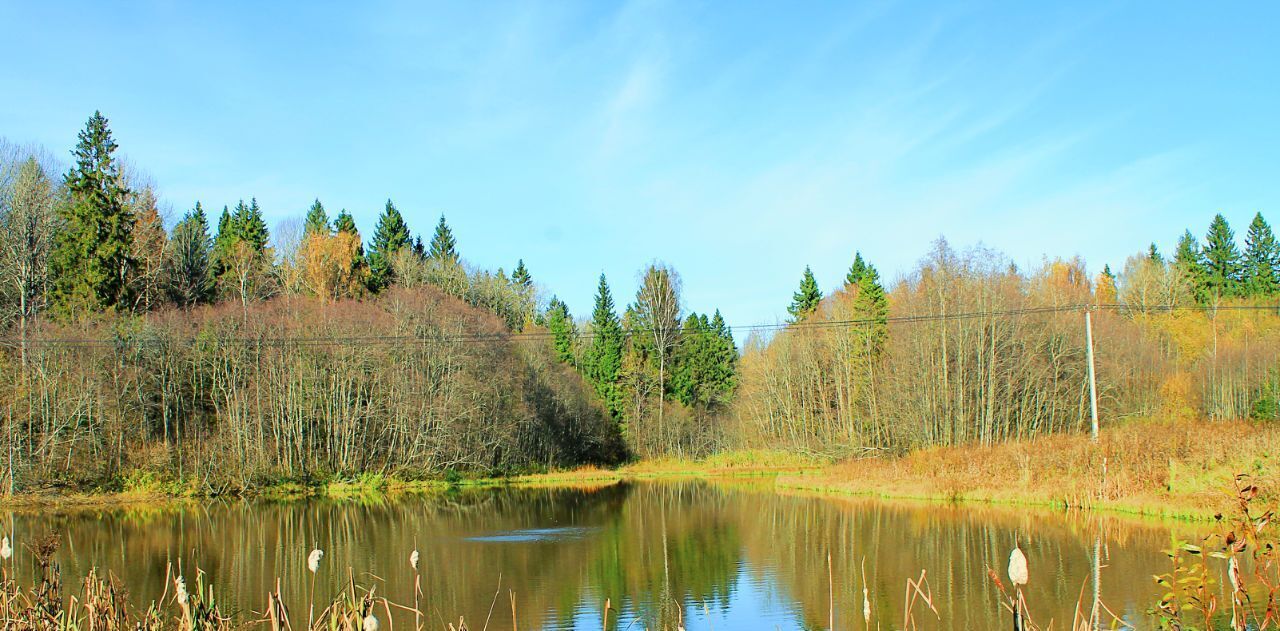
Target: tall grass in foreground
{"type": "Point", "coordinates": [102, 604]}
{"type": "Point", "coordinates": [1241, 549]}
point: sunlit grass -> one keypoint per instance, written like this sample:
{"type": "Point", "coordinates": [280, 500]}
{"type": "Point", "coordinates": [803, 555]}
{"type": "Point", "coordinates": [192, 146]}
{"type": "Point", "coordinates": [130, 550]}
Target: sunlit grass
{"type": "Point", "coordinates": [1174, 468]}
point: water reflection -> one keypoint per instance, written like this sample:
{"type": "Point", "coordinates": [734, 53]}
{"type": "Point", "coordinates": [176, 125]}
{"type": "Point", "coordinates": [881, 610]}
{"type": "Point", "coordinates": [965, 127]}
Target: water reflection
{"type": "Point", "coordinates": [698, 554]}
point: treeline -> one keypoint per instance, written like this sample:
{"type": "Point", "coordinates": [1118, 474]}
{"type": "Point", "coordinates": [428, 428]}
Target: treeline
{"type": "Point", "coordinates": [968, 348]}
{"type": "Point", "coordinates": [665, 376]}
{"type": "Point", "coordinates": [95, 243]}
{"type": "Point", "coordinates": [134, 347]}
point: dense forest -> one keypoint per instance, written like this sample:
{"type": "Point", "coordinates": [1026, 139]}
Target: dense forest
{"type": "Point", "coordinates": [227, 355]}
{"type": "Point", "coordinates": [224, 355]}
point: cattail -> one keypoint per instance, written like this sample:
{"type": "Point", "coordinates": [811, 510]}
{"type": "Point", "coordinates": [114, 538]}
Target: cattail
{"type": "Point", "coordinates": [866, 595]}
{"type": "Point", "coordinates": [180, 586]}
{"type": "Point", "coordinates": [6, 550]}
{"type": "Point", "coordinates": [1017, 567]}
{"type": "Point", "coordinates": [413, 560]}
{"type": "Point", "coordinates": [370, 623]}
{"type": "Point", "coordinates": [313, 560]}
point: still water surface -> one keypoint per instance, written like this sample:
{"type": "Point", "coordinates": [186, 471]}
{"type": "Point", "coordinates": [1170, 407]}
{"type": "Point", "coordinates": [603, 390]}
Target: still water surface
{"type": "Point", "coordinates": [707, 555]}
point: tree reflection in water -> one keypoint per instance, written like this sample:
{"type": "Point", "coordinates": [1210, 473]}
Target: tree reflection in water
{"type": "Point", "coordinates": [719, 555]}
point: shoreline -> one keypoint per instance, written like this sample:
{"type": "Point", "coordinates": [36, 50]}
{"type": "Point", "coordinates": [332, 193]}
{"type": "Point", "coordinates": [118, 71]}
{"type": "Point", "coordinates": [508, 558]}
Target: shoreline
{"type": "Point", "coordinates": [1186, 477]}
{"type": "Point", "coordinates": [783, 481]}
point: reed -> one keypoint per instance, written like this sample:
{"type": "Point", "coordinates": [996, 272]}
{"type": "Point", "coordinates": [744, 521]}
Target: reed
{"type": "Point", "coordinates": [1241, 549]}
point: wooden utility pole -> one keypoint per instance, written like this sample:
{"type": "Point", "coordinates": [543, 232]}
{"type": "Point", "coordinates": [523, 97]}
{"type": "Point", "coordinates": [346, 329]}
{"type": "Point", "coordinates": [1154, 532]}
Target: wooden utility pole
{"type": "Point", "coordinates": [1093, 380]}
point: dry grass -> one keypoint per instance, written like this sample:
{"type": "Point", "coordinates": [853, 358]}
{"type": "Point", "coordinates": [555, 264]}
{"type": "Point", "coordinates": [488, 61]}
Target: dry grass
{"type": "Point", "coordinates": [747, 462]}
{"type": "Point", "coordinates": [1181, 469]}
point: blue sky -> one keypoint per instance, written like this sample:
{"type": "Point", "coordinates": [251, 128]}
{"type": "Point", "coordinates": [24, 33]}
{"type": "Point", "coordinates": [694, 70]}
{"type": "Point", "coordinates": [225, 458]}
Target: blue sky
{"type": "Point", "coordinates": [737, 141]}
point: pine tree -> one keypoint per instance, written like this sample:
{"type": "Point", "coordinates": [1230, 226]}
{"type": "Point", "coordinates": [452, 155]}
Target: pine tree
{"type": "Point", "coordinates": [1221, 260]}
{"type": "Point", "coordinates": [389, 237]}
{"type": "Point", "coordinates": [1154, 255]}
{"type": "Point", "coordinates": [521, 276]}
{"type": "Point", "coordinates": [91, 262]}
{"type": "Point", "coordinates": [856, 271]}
{"type": "Point", "coordinates": [564, 333]}
{"type": "Point", "coordinates": [1261, 260]}
{"type": "Point", "coordinates": [805, 300]}
{"type": "Point", "coordinates": [443, 245]}
{"type": "Point", "coordinates": [317, 221]}
{"type": "Point", "coordinates": [1189, 262]}
{"type": "Point", "coordinates": [191, 267]}
{"type": "Point", "coordinates": [602, 361]}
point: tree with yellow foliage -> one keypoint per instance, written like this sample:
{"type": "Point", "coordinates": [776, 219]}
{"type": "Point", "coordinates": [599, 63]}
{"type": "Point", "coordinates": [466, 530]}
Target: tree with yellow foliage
{"type": "Point", "coordinates": [332, 266]}
{"type": "Point", "coordinates": [1104, 292]}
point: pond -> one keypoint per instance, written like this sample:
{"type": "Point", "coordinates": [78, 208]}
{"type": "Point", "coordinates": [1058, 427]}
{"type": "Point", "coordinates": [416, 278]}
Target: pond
{"type": "Point", "coordinates": [706, 555]}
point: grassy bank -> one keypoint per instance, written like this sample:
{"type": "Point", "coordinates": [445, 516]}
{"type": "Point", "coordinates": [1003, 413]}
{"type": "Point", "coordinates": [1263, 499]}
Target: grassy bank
{"type": "Point", "coordinates": [1178, 469]}
{"type": "Point", "coordinates": [149, 488]}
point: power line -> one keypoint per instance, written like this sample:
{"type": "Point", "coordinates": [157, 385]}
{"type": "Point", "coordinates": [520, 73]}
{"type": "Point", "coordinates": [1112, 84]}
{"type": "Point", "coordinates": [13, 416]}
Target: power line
{"type": "Point", "coordinates": [505, 336]}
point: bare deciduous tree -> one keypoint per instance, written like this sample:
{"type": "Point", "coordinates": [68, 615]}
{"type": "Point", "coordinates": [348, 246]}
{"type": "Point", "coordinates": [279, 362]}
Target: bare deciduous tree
{"type": "Point", "coordinates": [26, 238]}
{"type": "Point", "coordinates": [658, 313]}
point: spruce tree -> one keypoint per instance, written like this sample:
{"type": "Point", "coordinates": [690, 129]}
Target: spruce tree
{"type": "Point", "coordinates": [726, 357]}
{"type": "Point", "coordinates": [693, 362]}
{"type": "Point", "coordinates": [249, 227]}
{"type": "Point", "coordinates": [603, 359]}
{"type": "Point", "coordinates": [91, 262]}
{"type": "Point", "coordinates": [240, 250]}
{"type": "Point", "coordinates": [389, 237]}
{"type": "Point", "coordinates": [254, 230]}
{"type": "Point", "coordinates": [317, 221]}
{"type": "Point", "coordinates": [805, 300]}
{"type": "Point", "coordinates": [346, 224]}
{"type": "Point", "coordinates": [191, 267]}
{"type": "Point", "coordinates": [872, 308]}
{"type": "Point", "coordinates": [1189, 262]}
{"type": "Point", "coordinates": [521, 276]}
{"type": "Point", "coordinates": [856, 271]}
{"type": "Point", "coordinates": [443, 245]}
{"type": "Point", "coordinates": [704, 363]}
{"type": "Point", "coordinates": [1153, 254]}
{"type": "Point", "coordinates": [1261, 260]}
{"type": "Point", "coordinates": [1221, 260]}
{"type": "Point", "coordinates": [563, 331]}
{"type": "Point", "coordinates": [222, 242]}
